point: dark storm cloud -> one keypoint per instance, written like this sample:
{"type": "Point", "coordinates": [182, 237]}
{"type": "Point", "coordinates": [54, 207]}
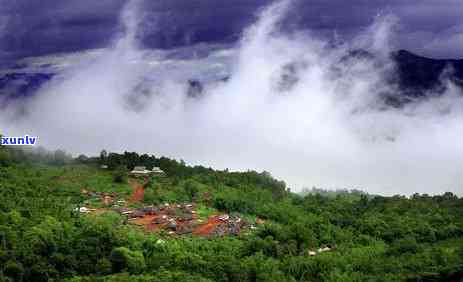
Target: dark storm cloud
{"type": "Point", "coordinates": [432, 28]}
{"type": "Point", "coordinates": [49, 26]}
{"type": "Point", "coordinates": [176, 22]}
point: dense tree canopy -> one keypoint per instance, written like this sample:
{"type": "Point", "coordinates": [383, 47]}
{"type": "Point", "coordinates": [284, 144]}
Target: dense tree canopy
{"type": "Point", "coordinates": [371, 238]}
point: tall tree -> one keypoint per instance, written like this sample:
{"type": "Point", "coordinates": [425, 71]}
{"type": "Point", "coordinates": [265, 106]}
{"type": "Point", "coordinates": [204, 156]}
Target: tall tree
{"type": "Point", "coordinates": [103, 156]}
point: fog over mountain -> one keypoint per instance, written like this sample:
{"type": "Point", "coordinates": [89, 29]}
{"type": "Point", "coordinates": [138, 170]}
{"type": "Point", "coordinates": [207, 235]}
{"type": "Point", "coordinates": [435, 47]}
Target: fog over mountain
{"type": "Point", "coordinates": [351, 113]}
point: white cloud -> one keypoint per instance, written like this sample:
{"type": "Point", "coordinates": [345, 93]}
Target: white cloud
{"type": "Point", "coordinates": [326, 128]}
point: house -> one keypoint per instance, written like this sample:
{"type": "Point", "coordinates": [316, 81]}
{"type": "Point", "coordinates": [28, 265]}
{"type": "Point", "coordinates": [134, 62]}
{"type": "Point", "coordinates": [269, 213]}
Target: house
{"type": "Point", "coordinates": [140, 171]}
{"type": "Point", "coordinates": [157, 171]}
{"type": "Point", "coordinates": [324, 249]}
{"type": "Point", "coordinates": [224, 217]}
{"type": "Point", "coordinates": [172, 224]}
{"type": "Point", "coordinates": [104, 167]}
{"type": "Point", "coordinates": [186, 217]}
{"type": "Point", "coordinates": [136, 214]}
{"type": "Point", "coordinates": [123, 210]}
{"type": "Point", "coordinates": [158, 220]}
{"type": "Point", "coordinates": [83, 210]}
{"type": "Point", "coordinates": [151, 210]}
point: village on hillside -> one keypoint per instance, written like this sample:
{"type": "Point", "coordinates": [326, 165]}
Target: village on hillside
{"type": "Point", "coordinates": [171, 218]}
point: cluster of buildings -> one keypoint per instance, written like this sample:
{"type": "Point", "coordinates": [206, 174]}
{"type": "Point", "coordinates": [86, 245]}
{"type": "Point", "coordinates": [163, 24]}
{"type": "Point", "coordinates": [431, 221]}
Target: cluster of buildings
{"type": "Point", "coordinates": [180, 219]}
{"type": "Point", "coordinates": [142, 171]}
{"type": "Point", "coordinates": [175, 219]}
{"type": "Point", "coordinates": [227, 225]}
{"type": "Point", "coordinates": [106, 198]}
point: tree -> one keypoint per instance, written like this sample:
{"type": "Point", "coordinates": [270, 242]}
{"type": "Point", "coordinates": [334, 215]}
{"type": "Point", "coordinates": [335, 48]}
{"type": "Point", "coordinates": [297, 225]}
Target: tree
{"type": "Point", "coordinates": [191, 188]}
{"type": "Point", "coordinates": [124, 259]}
{"type": "Point", "coordinates": [4, 159]}
{"type": "Point", "coordinates": [103, 156]}
{"type": "Point", "coordinates": [103, 267]}
{"type": "Point", "coordinates": [119, 174]}
{"type": "Point", "coordinates": [60, 157]}
{"type": "Point", "coordinates": [82, 158]}
{"type": "Point", "coordinates": [405, 245]}
{"type": "Point", "coordinates": [14, 270]}
{"type": "Point", "coordinates": [260, 268]}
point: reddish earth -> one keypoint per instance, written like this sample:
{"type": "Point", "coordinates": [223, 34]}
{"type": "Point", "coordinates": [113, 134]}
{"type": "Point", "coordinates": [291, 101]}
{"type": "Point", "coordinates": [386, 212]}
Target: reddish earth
{"type": "Point", "coordinates": [138, 190]}
{"type": "Point", "coordinates": [205, 229]}
{"type": "Point", "coordinates": [208, 228]}
{"type": "Point", "coordinates": [145, 221]}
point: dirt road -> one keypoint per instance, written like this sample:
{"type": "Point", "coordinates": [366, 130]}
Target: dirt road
{"type": "Point", "coordinates": [138, 190]}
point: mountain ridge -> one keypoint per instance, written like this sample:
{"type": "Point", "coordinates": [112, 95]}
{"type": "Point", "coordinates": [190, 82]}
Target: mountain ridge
{"type": "Point", "coordinates": [416, 77]}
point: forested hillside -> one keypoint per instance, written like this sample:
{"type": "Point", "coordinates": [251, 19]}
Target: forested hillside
{"type": "Point", "coordinates": [285, 236]}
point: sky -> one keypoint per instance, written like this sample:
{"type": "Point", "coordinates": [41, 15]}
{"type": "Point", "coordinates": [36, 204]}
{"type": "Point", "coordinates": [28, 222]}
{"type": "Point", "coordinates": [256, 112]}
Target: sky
{"type": "Point", "coordinates": [431, 28]}
{"type": "Point", "coordinates": [294, 103]}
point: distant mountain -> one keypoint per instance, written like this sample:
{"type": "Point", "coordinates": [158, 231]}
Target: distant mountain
{"type": "Point", "coordinates": [418, 74]}
{"type": "Point", "coordinates": [415, 76]}
{"type": "Point", "coordinates": [21, 84]}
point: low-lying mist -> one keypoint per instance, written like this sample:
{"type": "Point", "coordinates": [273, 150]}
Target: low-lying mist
{"type": "Point", "coordinates": [295, 105]}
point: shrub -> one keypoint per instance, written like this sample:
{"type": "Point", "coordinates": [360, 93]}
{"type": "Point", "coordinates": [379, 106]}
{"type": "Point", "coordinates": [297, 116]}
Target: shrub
{"type": "Point", "coordinates": [119, 175]}
{"type": "Point", "coordinates": [123, 259]}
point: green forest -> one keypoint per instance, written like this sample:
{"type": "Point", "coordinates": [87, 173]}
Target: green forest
{"type": "Point", "coordinates": [312, 236]}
